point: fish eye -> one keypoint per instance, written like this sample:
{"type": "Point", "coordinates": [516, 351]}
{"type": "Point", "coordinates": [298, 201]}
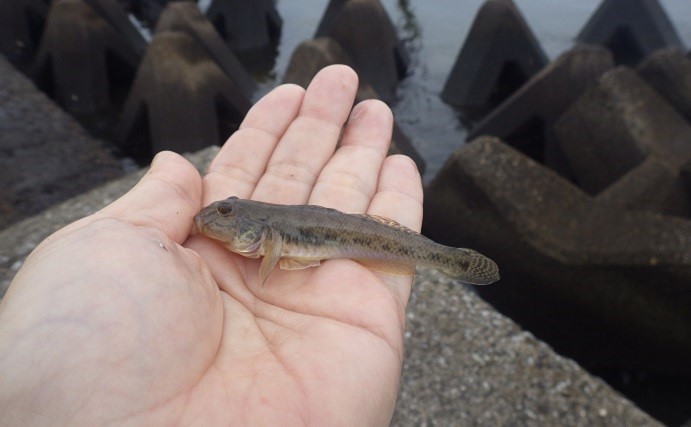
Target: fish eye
{"type": "Point", "coordinates": [224, 208]}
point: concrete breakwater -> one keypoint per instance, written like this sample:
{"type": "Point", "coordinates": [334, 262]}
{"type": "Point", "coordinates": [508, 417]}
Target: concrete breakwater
{"type": "Point", "coordinates": [582, 194]}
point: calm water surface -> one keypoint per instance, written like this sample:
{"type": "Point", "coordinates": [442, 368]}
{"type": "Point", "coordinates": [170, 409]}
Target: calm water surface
{"type": "Point", "coordinates": [434, 32]}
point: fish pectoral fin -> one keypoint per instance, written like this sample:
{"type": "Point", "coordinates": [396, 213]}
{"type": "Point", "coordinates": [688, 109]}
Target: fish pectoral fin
{"type": "Point", "coordinates": [395, 268]}
{"type": "Point", "coordinates": [272, 253]}
{"type": "Point", "coordinates": [297, 264]}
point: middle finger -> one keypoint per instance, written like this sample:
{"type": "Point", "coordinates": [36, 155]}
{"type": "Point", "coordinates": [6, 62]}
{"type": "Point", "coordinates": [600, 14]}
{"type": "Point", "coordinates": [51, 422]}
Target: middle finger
{"type": "Point", "coordinates": [310, 140]}
{"type": "Point", "coordinates": [349, 180]}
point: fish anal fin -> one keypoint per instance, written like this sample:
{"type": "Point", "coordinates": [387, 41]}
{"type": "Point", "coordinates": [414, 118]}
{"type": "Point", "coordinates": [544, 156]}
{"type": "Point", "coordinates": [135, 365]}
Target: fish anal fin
{"type": "Point", "coordinates": [395, 268]}
{"type": "Point", "coordinates": [272, 253]}
{"type": "Point", "coordinates": [297, 264]}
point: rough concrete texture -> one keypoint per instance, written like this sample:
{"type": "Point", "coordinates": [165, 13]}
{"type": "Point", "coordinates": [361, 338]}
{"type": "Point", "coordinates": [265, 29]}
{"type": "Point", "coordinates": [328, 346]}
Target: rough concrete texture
{"type": "Point", "coordinates": [181, 100]}
{"type": "Point", "coordinates": [608, 287]}
{"type": "Point", "coordinates": [313, 55]}
{"type": "Point", "coordinates": [651, 186]}
{"type": "Point", "coordinates": [668, 71]}
{"type": "Point", "coordinates": [186, 17]}
{"type": "Point", "coordinates": [499, 55]}
{"type": "Point", "coordinates": [46, 156]}
{"type": "Point", "coordinates": [366, 33]}
{"type": "Point", "coordinates": [615, 126]}
{"type": "Point", "coordinates": [464, 364]}
{"type": "Point", "coordinates": [631, 29]}
{"type": "Point", "coordinates": [82, 60]}
{"type": "Point", "coordinates": [526, 120]}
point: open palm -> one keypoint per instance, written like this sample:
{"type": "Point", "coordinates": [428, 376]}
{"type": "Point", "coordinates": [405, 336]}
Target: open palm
{"type": "Point", "coordinates": [120, 317]}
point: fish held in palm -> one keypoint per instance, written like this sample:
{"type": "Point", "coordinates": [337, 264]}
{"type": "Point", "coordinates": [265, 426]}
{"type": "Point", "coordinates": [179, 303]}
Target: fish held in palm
{"type": "Point", "coordinates": [301, 236]}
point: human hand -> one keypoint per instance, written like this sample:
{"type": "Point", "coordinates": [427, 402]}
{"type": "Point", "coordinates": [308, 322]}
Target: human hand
{"type": "Point", "coordinates": [120, 317]}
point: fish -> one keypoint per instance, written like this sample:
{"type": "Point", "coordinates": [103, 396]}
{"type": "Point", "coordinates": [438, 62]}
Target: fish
{"type": "Point", "coordinates": [302, 236]}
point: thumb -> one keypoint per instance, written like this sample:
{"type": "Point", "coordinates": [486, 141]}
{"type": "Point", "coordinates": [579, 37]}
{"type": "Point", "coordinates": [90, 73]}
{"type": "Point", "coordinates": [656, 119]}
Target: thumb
{"type": "Point", "coordinates": [166, 198]}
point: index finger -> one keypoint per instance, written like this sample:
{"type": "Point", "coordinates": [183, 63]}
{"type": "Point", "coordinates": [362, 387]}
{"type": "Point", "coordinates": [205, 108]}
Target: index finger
{"type": "Point", "coordinates": [236, 169]}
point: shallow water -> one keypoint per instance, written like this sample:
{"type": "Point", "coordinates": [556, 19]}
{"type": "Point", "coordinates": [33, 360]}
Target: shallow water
{"type": "Point", "coordinates": [434, 31]}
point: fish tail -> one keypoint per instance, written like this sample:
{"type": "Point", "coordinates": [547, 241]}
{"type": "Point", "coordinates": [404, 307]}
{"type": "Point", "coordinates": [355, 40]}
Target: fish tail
{"type": "Point", "coordinates": [469, 266]}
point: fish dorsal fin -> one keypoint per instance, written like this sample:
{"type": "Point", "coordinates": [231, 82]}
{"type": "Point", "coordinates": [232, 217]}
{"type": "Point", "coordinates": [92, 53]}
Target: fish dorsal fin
{"type": "Point", "coordinates": [386, 221]}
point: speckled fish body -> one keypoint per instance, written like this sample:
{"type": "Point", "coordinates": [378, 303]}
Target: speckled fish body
{"type": "Point", "coordinates": [300, 236]}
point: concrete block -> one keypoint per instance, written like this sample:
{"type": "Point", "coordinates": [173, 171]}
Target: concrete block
{"type": "Point", "coordinates": [246, 25]}
{"type": "Point", "coordinates": [606, 286]}
{"type": "Point", "coordinates": [82, 62]}
{"type": "Point", "coordinates": [150, 10]}
{"type": "Point", "coordinates": [499, 55]}
{"type": "Point", "coordinates": [526, 120]}
{"type": "Point", "coordinates": [366, 33]}
{"type": "Point", "coordinates": [615, 126]}
{"type": "Point", "coordinates": [114, 13]}
{"type": "Point", "coordinates": [313, 55]}
{"type": "Point", "coordinates": [181, 100]}
{"type": "Point", "coordinates": [21, 27]}
{"type": "Point", "coordinates": [651, 186]}
{"type": "Point", "coordinates": [631, 29]}
{"type": "Point", "coordinates": [668, 71]}
{"type": "Point", "coordinates": [186, 17]}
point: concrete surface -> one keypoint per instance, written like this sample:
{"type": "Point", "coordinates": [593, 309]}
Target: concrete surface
{"type": "Point", "coordinates": [45, 155]}
{"type": "Point", "coordinates": [465, 363]}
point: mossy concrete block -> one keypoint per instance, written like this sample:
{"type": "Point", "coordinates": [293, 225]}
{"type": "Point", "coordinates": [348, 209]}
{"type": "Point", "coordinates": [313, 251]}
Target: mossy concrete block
{"type": "Point", "coordinates": [607, 286]}
{"type": "Point", "coordinates": [615, 126]}
{"type": "Point", "coordinates": [82, 60]}
{"type": "Point", "coordinates": [186, 17]}
{"type": "Point", "coordinates": [366, 33]}
{"type": "Point", "coordinates": [181, 100]}
{"type": "Point", "coordinates": [526, 120]}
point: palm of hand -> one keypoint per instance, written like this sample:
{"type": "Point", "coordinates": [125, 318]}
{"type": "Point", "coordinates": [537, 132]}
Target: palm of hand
{"type": "Point", "coordinates": [187, 335]}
